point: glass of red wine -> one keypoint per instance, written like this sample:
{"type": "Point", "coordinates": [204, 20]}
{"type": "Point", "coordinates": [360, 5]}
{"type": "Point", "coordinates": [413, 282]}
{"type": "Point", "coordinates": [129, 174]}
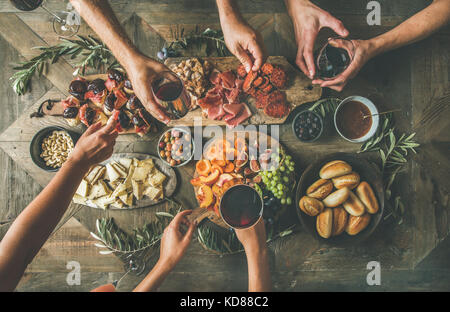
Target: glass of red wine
{"type": "Point", "coordinates": [334, 57]}
{"type": "Point", "coordinates": [171, 95]}
{"type": "Point", "coordinates": [241, 206]}
{"type": "Point", "coordinates": [65, 23]}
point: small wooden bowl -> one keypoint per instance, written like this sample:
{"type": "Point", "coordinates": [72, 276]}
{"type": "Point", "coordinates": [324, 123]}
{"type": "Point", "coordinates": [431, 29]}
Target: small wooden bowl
{"type": "Point", "coordinates": [367, 171]}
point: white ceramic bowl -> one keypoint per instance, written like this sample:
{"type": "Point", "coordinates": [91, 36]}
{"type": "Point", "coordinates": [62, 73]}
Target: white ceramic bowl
{"type": "Point", "coordinates": [373, 110]}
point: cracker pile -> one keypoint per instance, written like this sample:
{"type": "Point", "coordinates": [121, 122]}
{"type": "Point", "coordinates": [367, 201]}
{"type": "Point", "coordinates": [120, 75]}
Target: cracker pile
{"type": "Point", "coordinates": [121, 183]}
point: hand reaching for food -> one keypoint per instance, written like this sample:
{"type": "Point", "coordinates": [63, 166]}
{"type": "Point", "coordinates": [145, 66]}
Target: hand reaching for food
{"type": "Point", "coordinates": [141, 71]}
{"type": "Point", "coordinates": [242, 40]}
{"type": "Point", "coordinates": [246, 44]}
{"type": "Point", "coordinates": [96, 144]}
{"type": "Point", "coordinates": [308, 20]}
{"type": "Point", "coordinates": [174, 242]}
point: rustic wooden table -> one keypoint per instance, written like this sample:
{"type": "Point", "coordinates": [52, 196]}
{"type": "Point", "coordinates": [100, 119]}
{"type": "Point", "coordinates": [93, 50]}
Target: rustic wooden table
{"type": "Point", "coordinates": [414, 78]}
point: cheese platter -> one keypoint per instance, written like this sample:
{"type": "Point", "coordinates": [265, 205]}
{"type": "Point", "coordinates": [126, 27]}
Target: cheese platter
{"type": "Point", "coordinates": [127, 181]}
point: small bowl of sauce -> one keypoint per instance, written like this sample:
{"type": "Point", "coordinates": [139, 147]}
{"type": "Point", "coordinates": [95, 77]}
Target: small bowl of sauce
{"type": "Point", "coordinates": [350, 120]}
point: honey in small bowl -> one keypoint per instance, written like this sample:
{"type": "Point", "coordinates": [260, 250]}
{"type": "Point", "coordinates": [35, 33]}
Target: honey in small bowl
{"type": "Point", "coordinates": [350, 120]}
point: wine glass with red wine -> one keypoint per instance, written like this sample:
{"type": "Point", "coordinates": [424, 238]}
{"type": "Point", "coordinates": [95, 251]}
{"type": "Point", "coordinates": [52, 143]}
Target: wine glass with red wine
{"type": "Point", "coordinates": [171, 95]}
{"type": "Point", "coordinates": [334, 57]}
{"type": "Point", "coordinates": [65, 23]}
{"type": "Point", "coordinates": [241, 206]}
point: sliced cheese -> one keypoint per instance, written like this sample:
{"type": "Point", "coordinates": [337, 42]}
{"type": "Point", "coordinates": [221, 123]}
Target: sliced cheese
{"type": "Point", "coordinates": [157, 178]}
{"type": "Point", "coordinates": [112, 173]}
{"type": "Point", "coordinates": [92, 174]}
{"type": "Point", "coordinates": [138, 189]}
{"type": "Point", "coordinates": [127, 181]}
{"type": "Point", "coordinates": [140, 173]}
{"type": "Point", "coordinates": [120, 169]}
{"type": "Point", "coordinates": [120, 190]}
{"type": "Point", "coordinates": [83, 188]}
{"type": "Point", "coordinates": [147, 163]}
{"type": "Point", "coordinates": [153, 192]}
{"type": "Point", "coordinates": [126, 162]}
{"type": "Point", "coordinates": [77, 199]}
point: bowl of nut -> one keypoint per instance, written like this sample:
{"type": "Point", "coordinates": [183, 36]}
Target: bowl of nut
{"type": "Point", "coordinates": [175, 147]}
{"type": "Point", "coordinates": [51, 146]}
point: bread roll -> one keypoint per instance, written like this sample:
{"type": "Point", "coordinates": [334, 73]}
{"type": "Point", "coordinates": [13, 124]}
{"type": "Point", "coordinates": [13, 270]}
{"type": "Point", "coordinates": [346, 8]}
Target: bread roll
{"type": "Point", "coordinates": [324, 223]}
{"type": "Point", "coordinates": [357, 224]}
{"type": "Point", "coordinates": [350, 180]}
{"type": "Point", "coordinates": [337, 198]}
{"type": "Point", "coordinates": [320, 189]}
{"type": "Point", "coordinates": [340, 217]}
{"type": "Point", "coordinates": [335, 169]}
{"type": "Point", "coordinates": [311, 206]}
{"type": "Point", "coordinates": [354, 206]}
{"type": "Point", "coordinates": [367, 196]}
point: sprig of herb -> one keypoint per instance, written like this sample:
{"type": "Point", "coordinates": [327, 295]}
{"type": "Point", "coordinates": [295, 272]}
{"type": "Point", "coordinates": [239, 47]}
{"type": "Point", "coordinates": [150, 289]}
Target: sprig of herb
{"type": "Point", "coordinates": [137, 246]}
{"type": "Point", "coordinates": [92, 53]}
{"type": "Point", "coordinates": [393, 152]}
{"type": "Point", "coordinates": [212, 39]}
{"type": "Point", "coordinates": [325, 106]}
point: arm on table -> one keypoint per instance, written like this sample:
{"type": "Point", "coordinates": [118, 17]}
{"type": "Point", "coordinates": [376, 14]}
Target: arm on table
{"type": "Point", "coordinates": [242, 40]}
{"type": "Point", "coordinates": [34, 225]}
{"type": "Point", "coordinates": [255, 246]}
{"type": "Point", "coordinates": [417, 27]}
{"type": "Point", "coordinates": [141, 69]}
{"type": "Point", "coordinates": [174, 244]}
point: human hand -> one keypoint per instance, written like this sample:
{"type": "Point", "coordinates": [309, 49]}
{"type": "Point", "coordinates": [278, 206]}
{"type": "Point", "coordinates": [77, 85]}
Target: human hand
{"type": "Point", "coordinates": [245, 43]}
{"type": "Point", "coordinates": [363, 50]}
{"type": "Point", "coordinates": [308, 20]}
{"type": "Point", "coordinates": [95, 145]}
{"type": "Point", "coordinates": [174, 243]}
{"type": "Point", "coordinates": [253, 238]}
{"type": "Point", "coordinates": [141, 72]}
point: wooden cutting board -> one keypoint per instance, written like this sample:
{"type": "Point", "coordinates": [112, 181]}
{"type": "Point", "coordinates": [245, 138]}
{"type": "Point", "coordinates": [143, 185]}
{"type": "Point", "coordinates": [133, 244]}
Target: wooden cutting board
{"type": "Point", "coordinates": [299, 90]}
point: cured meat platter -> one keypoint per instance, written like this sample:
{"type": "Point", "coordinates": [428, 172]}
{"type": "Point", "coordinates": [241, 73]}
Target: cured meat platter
{"type": "Point", "coordinates": [297, 90]}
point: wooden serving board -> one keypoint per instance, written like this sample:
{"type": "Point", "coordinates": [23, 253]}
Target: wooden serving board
{"type": "Point", "coordinates": [201, 213]}
{"type": "Point", "coordinates": [299, 90]}
{"type": "Point", "coordinates": [169, 185]}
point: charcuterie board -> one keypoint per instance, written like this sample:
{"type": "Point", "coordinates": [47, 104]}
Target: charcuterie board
{"type": "Point", "coordinates": [299, 90]}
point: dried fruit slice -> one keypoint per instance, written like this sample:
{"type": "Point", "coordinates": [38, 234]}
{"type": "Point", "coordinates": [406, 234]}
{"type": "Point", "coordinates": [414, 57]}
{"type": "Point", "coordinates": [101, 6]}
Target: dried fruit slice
{"type": "Point", "coordinates": [203, 167]}
{"type": "Point", "coordinates": [211, 179]}
{"type": "Point", "coordinates": [205, 196]}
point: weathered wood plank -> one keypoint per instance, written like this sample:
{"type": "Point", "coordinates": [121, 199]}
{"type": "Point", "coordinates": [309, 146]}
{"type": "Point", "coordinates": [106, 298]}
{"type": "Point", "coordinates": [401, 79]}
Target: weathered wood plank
{"type": "Point", "coordinates": [12, 28]}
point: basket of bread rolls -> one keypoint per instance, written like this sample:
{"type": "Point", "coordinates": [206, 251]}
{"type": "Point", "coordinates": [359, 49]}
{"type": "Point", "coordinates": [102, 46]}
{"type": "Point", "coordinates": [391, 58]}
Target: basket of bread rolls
{"type": "Point", "coordinates": [340, 198]}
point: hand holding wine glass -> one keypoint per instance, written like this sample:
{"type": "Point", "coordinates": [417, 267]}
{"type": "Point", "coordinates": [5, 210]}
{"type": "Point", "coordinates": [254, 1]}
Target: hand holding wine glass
{"type": "Point", "coordinates": [308, 20]}
{"type": "Point", "coordinates": [142, 71]}
{"type": "Point", "coordinates": [362, 51]}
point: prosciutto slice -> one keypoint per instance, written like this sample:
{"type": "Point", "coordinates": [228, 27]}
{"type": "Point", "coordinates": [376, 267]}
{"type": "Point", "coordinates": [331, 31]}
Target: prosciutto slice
{"type": "Point", "coordinates": [222, 102]}
{"type": "Point", "coordinates": [243, 115]}
{"type": "Point", "coordinates": [233, 109]}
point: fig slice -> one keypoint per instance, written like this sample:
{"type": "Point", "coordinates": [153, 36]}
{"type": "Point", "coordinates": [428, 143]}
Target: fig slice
{"type": "Point", "coordinates": [254, 165]}
{"type": "Point", "coordinates": [241, 160]}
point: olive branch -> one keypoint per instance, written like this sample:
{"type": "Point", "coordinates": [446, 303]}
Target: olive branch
{"type": "Point", "coordinates": [91, 53]}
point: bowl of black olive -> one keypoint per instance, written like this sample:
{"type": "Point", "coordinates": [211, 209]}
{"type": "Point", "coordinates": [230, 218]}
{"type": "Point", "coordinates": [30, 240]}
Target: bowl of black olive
{"type": "Point", "coordinates": [307, 126]}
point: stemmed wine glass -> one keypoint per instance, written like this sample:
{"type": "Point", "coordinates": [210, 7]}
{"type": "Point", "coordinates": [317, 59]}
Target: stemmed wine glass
{"type": "Point", "coordinates": [65, 23]}
{"type": "Point", "coordinates": [334, 57]}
